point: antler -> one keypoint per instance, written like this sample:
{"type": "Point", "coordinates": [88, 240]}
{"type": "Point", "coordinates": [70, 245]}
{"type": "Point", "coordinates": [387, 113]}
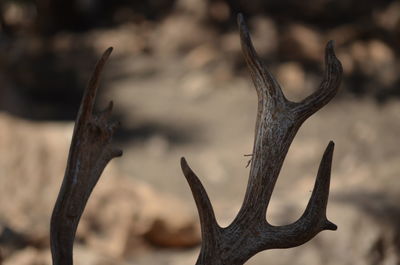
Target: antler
{"type": "Point", "coordinates": [89, 154]}
{"type": "Point", "coordinates": [278, 121]}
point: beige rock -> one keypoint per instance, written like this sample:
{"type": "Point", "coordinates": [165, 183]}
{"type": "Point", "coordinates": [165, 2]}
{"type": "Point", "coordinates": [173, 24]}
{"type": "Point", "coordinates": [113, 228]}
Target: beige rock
{"type": "Point", "coordinates": [302, 42]}
{"type": "Point", "coordinates": [178, 33]}
{"type": "Point", "coordinates": [292, 78]}
{"type": "Point", "coordinates": [25, 257]}
{"type": "Point", "coordinates": [264, 35]}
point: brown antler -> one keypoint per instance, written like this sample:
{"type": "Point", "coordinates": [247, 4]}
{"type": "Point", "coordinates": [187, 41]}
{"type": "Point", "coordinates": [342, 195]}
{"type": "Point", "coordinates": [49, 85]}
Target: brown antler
{"type": "Point", "coordinates": [89, 154]}
{"type": "Point", "coordinates": [278, 121]}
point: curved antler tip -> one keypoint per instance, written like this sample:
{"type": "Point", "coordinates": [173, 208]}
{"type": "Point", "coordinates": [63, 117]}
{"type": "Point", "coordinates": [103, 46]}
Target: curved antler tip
{"type": "Point", "coordinates": [106, 113]}
{"type": "Point", "coordinates": [109, 50]}
{"type": "Point", "coordinates": [330, 44]}
{"type": "Point", "coordinates": [106, 53]}
{"type": "Point", "coordinates": [328, 225]}
{"type": "Point", "coordinates": [330, 47]}
{"type": "Point", "coordinates": [329, 150]}
{"type": "Point", "coordinates": [115, 152]}
{"type": "Point", "coordinates": [119, 153]}
{"type": "Point", "coordinates": [330, 52]}
{"type": "Point", "coordinates": [242, 25]}
{"type": "Point", "coordinates": [183, 160]}
{"type": "Point", "coordinates": [240, 18]}
{"type": "Point", "coordinates": [109, 107]}
{"type": "Point", "coordinates": [184, 165]}
{"type": "Point", "coordinates": [331, 146]}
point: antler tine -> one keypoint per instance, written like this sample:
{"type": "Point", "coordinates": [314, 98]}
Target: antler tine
{"type": "Point", "coordinates": [209, 225]}
{"type": "Point", "coordinates": [327, 89]}
{"type": "Point", "coordinates": [275, 129]}
{"type": "Point", "coordinates": [90, 92]}
{"type": "Point", "coordinates": [313, 219]}
{"type": "Point", "coordinates": [89, 154]}
{"type": "Point", "coordinates": [266, 85]}
{"type": "Point", "coordinates": [315, 212]}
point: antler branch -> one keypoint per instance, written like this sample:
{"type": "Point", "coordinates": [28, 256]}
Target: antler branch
{"type": "Point", "coordinates": [313, 219]}
{"type": "Point", "coordinates": [89, 154]}
{"type": "Point", "coordinates": [265, 83]}
{"type": "Point", "coordinates": [328, 88]}
{"type": "Point", "coordinates": [278, 121]}
{"type": "Point", "coordinates": [208, 222]}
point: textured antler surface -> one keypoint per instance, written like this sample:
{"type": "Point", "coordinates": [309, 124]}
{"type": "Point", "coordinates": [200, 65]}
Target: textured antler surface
{"type": "Point", "coordinates": [278, 121]}
{"type": "Point", "coordinates": [89, 154]}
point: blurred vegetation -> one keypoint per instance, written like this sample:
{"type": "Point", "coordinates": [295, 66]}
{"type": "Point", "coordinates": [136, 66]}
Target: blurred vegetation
{"type": "Point", "coordinates": [42, 49]}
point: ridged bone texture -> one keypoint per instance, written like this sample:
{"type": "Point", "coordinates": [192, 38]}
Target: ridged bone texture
{"type": "Point", "coordinates": [90, 152]}
{"type": "Point", "coordinates": [278, 121]}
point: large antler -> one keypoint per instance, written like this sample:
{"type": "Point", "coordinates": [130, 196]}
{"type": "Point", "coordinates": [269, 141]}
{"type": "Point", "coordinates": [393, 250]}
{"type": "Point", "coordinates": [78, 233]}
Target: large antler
{"type": "Point", "coordinates": [278, 121]}
{"type": "Point", "coordinates": [89, 154]}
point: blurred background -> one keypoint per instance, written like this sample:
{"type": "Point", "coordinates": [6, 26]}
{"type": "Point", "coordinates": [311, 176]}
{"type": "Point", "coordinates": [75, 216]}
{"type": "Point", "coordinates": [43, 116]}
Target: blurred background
{"type": "Point", "coordinates": [181, 88]}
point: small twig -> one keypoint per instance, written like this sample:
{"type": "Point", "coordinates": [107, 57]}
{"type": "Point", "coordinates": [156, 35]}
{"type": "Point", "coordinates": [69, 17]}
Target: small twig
{"type": "Point", "coordinates": [248, 162]}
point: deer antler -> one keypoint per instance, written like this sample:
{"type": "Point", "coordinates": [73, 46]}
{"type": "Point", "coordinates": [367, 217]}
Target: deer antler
{"type": "Point", "coordinates": [89, 154]}
{"type": "Point", "coordinates": [278, 121]}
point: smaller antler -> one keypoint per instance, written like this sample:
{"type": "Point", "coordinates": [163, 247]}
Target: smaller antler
{"type": "Point", "coordinates": [89, 154]}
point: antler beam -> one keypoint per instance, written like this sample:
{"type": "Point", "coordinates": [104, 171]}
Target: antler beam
{"type": "Point", "coordinates": [278, 121]}
{"type": "Point", "coordinates": [90, 152]}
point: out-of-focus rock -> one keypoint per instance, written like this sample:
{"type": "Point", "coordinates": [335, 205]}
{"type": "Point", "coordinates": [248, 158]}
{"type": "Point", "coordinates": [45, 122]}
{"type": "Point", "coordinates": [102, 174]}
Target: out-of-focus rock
{"type": "Point", "coordinates": [342, 35]}
{"type": "Point", "coordinates": [195, 9]}
{"type": "Point", "coordinates": [389, 18]}
{"type": "Point", "coordinates": [32, 158]}
{"type": "Point", "coordinates": [230, 42]}
{"type": "Point", "coordinates": [302, 43]}
{"type": "Point", "coordinates": [196, 85]}
{"type": "Point", "coordinates": [292, 78]}
{"type": "Point", "coordinates": [27, 256]}
{"type": "Point", "coordinates": [82, 256]}
{"type": "Point", "coordinates": [382, 60]}
{"type": "Point", "coordinates": [264, 35]}
{"type": "Point", "coordinates": [122, 213]}
{"type": "Point", "coordinates": [173, 232]}
{"type": "Point", "coordinates": [119, 212]}
{"type": "Point", "coordinates": [178, 33]}
{"type": "Point", "coordinates": [375, 60]}
{"type": "Point", "coordinates": [200, 56]}
{"type": "Point", "coordinates": [372, 55]}
{"type": "Point", "coordinates": [127, 39]}
{"type": "Point", "coordinates": [219, 11]}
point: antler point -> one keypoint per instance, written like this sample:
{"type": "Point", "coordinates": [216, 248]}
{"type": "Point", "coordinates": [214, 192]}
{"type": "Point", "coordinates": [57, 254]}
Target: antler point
{"type": "Point", "coordinates": [328, 225]}
{"type": "Point", "coordinates": [109, 50]}
{"type": "Point", "coordinates": [117, 153]}
{"type": "Point", "coordinates": [331, 146]}
{"type": "Point", "coordinates": [240, 17]}
{"type": "Point", "coordinates": [183, 161]}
